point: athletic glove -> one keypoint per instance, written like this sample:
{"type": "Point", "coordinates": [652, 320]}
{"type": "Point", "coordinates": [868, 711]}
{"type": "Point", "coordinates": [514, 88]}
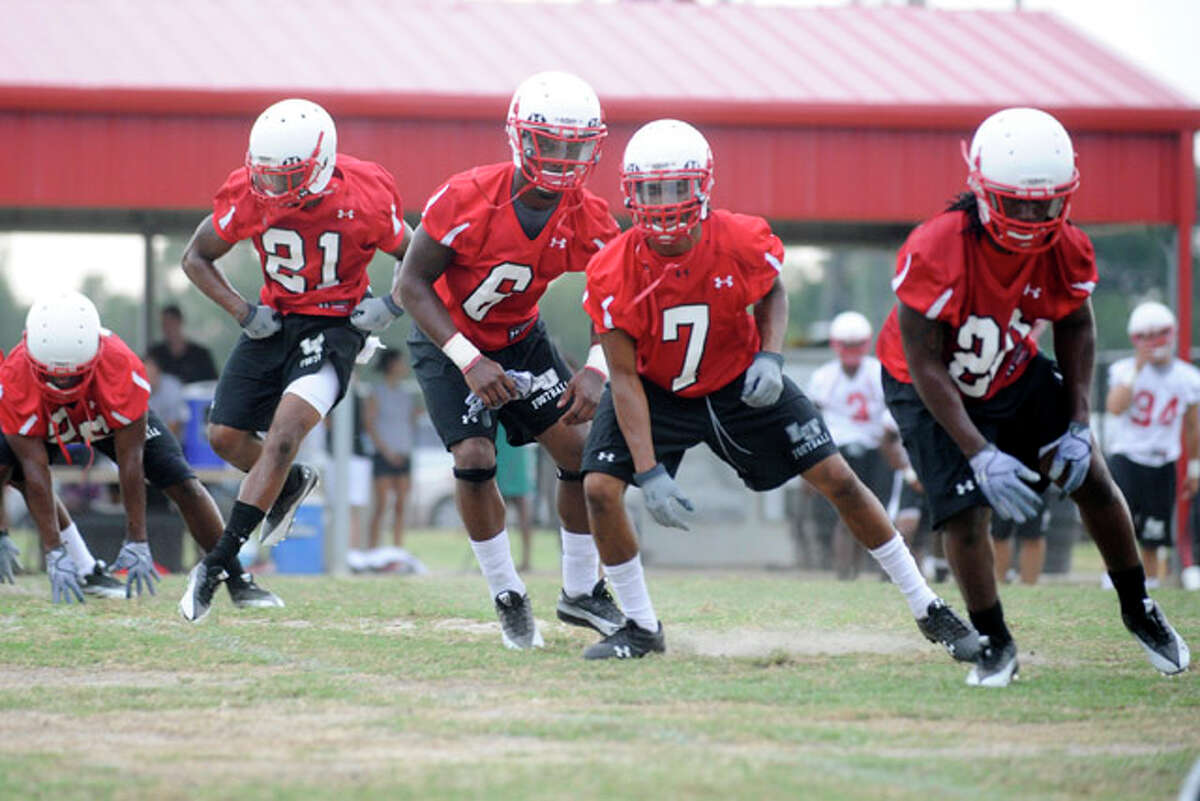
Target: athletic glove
{"type": "Point", "coordinates": [1002, 479]}
{"type": "Point", "coordinates": [63, 575]}
{"type": "Point", "coordinates": [475, 405]}
{"type": "Point", "coordinates": [659, 490]}
{"type": "Point", "coordinates": [1073, 458]}
{"type": "Point", "coordinates": [764, 380]}
{"type": "Point", "coordinates": [135, 557]}
{"type": "Point", "coordinates": [10, 564]}
{"type": "Point", "coordinates": [261, 321]}
{"type": "Point", "coordinates": [375, 314]}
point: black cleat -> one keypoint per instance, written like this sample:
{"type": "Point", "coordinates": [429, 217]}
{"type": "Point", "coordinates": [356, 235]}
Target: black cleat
{"type": "Point", "coordinates": [596, 611]}
{"type": "Point", "coordinates": [1164, 647]}
{"type": "Point", "coordinates": [518, 629]}
{"type": "Point", "coordinates": [997, 667]}
{"type": "Point", "coordinates": [279, 519]}
{"type": "Point", "coordinates": [631, 641]}
{"type": "Point", "coordinates": [102, 584]}
{"type": "Point", "coordinates": [941, 625]}
{"type": "Point", "coordinates": [245, 594]}
{"type": "Point", "coordinates": [197, 598]}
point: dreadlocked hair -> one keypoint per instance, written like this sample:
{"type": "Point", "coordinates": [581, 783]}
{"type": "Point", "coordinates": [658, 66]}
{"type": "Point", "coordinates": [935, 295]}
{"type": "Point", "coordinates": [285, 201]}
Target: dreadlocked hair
{"type": "Point", "coordinates": [968, 202]}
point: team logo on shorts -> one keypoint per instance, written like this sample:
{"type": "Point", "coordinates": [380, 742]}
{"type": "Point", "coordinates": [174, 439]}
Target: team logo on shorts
{"type": "Point", "coordinates": [807, 437]}
{"type": "Point", "coordinates": [312, 348]}
{"type": "Point", "coordinates": [546, 387]}
{"type": "Point", "coordinates": [606, 456]}
{"type": "Point", "coordinates": [963, 487]}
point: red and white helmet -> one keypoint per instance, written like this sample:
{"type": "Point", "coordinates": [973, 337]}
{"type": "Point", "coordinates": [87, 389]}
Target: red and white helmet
{"type": "Point", "coordinates": [62, 338]}
{"type": "Point", "coordinates": [555, 129]}
{"type": "Point", "coordinates": [1022, 171]}
{"type": "Point", "coordinates": [1152, 328]}
{"type": "Point", "coordinates": [667, 179]}
{"type": "Point", "coordinates": [292, 153]}
{"type": "Point", "coordinates": [850, 337]}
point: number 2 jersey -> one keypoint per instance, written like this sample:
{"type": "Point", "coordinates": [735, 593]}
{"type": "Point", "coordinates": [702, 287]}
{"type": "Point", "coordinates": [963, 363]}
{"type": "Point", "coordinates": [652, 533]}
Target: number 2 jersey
{"type": "Point", "coordinates": [989, 297]}
{"type": "Point", "coordinates": [688, 314]}
{"type": "Point", "coordinates": [314, 258]}
{"type": "Point", "coordinates": [1148, 432]}
{"type": "Point", "coordinates": [492, 286]}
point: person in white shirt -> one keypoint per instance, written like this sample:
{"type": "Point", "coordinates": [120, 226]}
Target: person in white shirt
{"type": "Point", "coordinates": [1153, 396]}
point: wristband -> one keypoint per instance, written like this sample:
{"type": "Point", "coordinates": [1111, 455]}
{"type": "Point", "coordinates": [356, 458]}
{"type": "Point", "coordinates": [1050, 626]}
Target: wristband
{"type": "Point", "coordinates": [392, 305]}
{"type": "Point", "coordinates": [1193, 468]}
{"type": "Point", "coordinates": [461, 351]}
{"type": "Point", "coordinates": [910, 475]}
{"type": "Point", "coordinates": [596, 360]}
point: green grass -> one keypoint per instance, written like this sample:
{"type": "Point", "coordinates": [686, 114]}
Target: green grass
{"type": "Point", "coordinates": [386, 687]}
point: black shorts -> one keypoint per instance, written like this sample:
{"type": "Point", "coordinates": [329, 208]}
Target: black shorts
{"type": "Point", "coordinates": [765, 446]}
{"type": "Point", "coordinates": [381, 467]}
{"type": "Point", "coordinates": [446, 390]}
{"type": "Point", "coordinates": [1020, 419]}
{"type": "Point", "coordinates": [162, 458]}
{"type": "Point", "coordinates": [1150, 493]}
{"type": "Point", "coordinates": [871, 468]}
{"type": "Point", "coordinates": [259, 370]}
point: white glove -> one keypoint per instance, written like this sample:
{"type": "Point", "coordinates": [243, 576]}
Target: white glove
{"type": "Point", "coordinates": [10, 563]}
{"type": "Point", "coordinates": [135, 557]}
{"type": "Point", "coordinates": [659, 490]}
{"type": "Point", "coordinates": [63, 575]}
{"type": "Point", "coordinates": [1002, 479]}
{"type": "Point", "coordinates": [375, 314]}
{"type": "Point", "coordinates": [261, 321]}
{"type": "Point", "coordinates": [1074, 457]}
{"type": "Point", "coordinates": [764, 380]}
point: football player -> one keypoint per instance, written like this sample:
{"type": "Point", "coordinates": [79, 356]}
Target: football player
{"type": "Point", "coordinates": [977, 405]}
{"type": "Point", "coordinates": [490, 240]}
{"type": "Point", "coordinates": [690, 364]}
{"type": "Point", "coordinates": [316, 217]}
{"type": "Point", "coordinates": [1153, 396]}
{"type": "Point", "coordinates": [72, 382]}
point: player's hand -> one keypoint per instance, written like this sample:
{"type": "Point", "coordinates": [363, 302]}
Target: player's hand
{"type": "Point", "coordinates": [663, 497]}
{"type": "Point", "coordinates": [490, 383]}
{"type": "Point", "coordinates": [64, 577]}
{"type": "Point", "coordinates": [261, 321]}
{"type": "Point", "coordinates": [1002, 479]}
{"type": "Point", "coordinates": [10, 563]}
{"type": "Point", "coordinates": [375, 314]}
{"type": "Point", "coordinates": [582, 394]}
{"type": "Point", "coordinates": [1073, 457]}
{"type": "Point", "coordinates": [135, 557]}
{"type": "Point", "coordinates": [764, 380]}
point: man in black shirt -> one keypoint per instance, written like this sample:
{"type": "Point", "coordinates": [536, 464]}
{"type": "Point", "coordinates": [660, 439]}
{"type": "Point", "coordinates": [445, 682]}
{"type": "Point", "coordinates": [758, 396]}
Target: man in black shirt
{"type": "Point", "coordinates": [177, 356]}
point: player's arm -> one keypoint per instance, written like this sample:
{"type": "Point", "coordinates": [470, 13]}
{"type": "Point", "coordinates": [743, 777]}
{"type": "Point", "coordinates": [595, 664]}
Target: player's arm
{"type": "Point", "coordinates": [199, 264]}
{"type": "Point", "coordinates": [130, 443]}
{"type": "Point", "coordinates": [1119, 397]}
{"type": "Point", "coordinates": [771, 315]}
{"type": "Point", "coordinates": [1075, 349]}
{"type": "Point", "coordinates": [586, 386]}
{"type": "Point", "coordinates": [629, 398]}
{"type": "Point", "coordinates": [38, 489]}
{"type": "Point", "coordinates": [1191, 444]}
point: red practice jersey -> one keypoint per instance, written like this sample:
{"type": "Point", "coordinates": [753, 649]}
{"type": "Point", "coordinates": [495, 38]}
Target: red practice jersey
{"type": "Point", "coordinates": [990, 299]}
{"type": "Point", "coordinates": [689, 313]}
{"type": "Point", "coordinates": [118, 394]}
{"type": "Point", "coordinates": [314, 258]}
{"type": "Point", "coordinates": [498, 275]}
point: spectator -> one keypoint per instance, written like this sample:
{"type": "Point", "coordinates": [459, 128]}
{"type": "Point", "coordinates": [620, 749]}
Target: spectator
{"type": "Point", "coordinates": [176, 355]}
{"type": "Point", "coordinates": [166, 397]}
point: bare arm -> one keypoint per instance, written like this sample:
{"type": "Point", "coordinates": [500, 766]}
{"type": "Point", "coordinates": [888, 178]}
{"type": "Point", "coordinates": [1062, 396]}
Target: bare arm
{"type": "Point", "coordinates": [771, 314]}
{"type": "Point", "coordinates": [424, 261]}
{"type": "Point", "coordinates": [629, 398]}
{"type": "Point", "coordinates": [199, 264]}
{"type": "Point", "coordinates": [398, 254]}
{"type": "Point", "coordinates": [39, 490]}
{"type": "Point", "coordinates": [370, 423]}
{"type": "Point", "coordinates": [1075, 347]}
{"type": "Point", "coordinates": [1119, 398]}
{"type": "Point", "coordinates": [130, 444]}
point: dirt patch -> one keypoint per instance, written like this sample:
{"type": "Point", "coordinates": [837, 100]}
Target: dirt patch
{"type": "Point", "coordinates": [755, 643]}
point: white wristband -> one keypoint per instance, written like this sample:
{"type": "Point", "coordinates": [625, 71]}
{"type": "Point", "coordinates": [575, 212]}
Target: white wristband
{"type": "Point", "coordinates": [461, 351]}
{"type": "Point", "coordinates": [910, 475]}
{"type": "Point", "coordinates": [1193, 470]}
{"type": "Point", "coordinates": [596, 360]}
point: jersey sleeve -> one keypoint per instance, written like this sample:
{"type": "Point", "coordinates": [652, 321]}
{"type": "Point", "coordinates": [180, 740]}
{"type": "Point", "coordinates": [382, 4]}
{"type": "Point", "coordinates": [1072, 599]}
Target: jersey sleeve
{"type": "Point", "coordinates": [596, 228]}
{"type": "Point", "coordinates": [761, 257]}
{"type": "Point", "coordinates": [121, 386]}
{"type": "Point", "coordinates": [1121, 372]}
{"type": "Point", "coordinates": [927, 279]}
{"type": "Point", "coordinates": [1077, 274]}
{"type": "Point", "coordinates": [235, 210]}
{"type": "Point", "coordinates": [20, 407]}
{"type": "Point", "coordinates": [389, 207]}
{"type": "Point", "coordinates": [604, 299]}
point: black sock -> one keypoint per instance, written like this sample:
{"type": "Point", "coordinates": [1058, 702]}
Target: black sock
{"type": "Point", "coordinates": [1130, 585]}
{"type": "Point", "coordinates": [292, 483]}
{"type": "Point", "coordinates": [242, 521]}
{"type": "Point", "coordinates": [990, 622]}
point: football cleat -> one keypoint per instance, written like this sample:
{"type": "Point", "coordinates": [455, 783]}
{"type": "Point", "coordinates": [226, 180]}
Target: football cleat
{"type": "Point", "coordinates": [941, 625]}
{"type": "Point", "coordinates": [596, 610]}
{"type": "Point", "coordinates": [101, 584]}
{"type": "Point", "coordinates": [197, 598]}
{"type": "Point", "coordinates": [518, 629]}
{"type": "Point", "coordinates": [279, 520]}
{"type": "Point", "coordinates": [245, 594]}
{"type": "Point", "coordinates": [631, 641]}
{"type": "Point", "coordinates": [1164, 647]}
{"type": "Point", "coordinates": [996, 667]}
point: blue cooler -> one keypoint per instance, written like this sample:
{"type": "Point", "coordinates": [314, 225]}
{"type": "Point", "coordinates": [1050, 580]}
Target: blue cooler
{"type": "Point", "coordinates": [304, 549]}
{"type": "Point", "coordinates": [196, 449]}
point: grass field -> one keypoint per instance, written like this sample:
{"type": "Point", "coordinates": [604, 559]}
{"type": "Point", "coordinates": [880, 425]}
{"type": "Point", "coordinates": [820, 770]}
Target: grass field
{"type": "Point", "coordinates": [398, 688]}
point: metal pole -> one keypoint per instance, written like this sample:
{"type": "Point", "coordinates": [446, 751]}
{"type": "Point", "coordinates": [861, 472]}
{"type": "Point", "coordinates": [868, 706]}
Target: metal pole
{"type": "Point", "coordinates": [339, 530]}
{"type": "Point", "coordinates": [145, 324]}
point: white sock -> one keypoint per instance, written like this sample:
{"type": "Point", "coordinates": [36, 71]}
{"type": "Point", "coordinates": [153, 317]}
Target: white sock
{"type": "Point", "coordinates": [897, 561]}
{"type": "Point", "coordinates": [629, 584]}
{"type": "Point", "coordinates": [77, 549]}
{"type": "Point", "coordinates": [580, 562]}
{"type": "Point", "coordinates": [496, 562]}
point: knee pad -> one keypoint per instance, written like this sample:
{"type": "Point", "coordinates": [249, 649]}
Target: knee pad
{"type": "Point", "coordinates": [567, 475]}
{"type": "Point", "coordinates": [476, 475]}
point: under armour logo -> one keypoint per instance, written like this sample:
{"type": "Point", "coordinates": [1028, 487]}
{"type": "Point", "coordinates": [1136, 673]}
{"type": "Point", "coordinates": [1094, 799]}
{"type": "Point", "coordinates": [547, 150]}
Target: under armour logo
{"type": "Point", "coordinates": [622, 652]}
{"type": "Point", "coordinates": [349, 213]}
{"type": "Point", "coordinates": [558, 242]}
{"type": "Point", "coordinates": [964, 487]}
{"type": "Point", "coordinates": [720, 282]}
{"type": "Point", "coordinates": [606, 456]}
{"type": "Point", "coordinates": [1034, 291]}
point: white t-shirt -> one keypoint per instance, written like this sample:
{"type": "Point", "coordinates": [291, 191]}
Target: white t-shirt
{"type": "Point", "coordinates": [852, 405]}
{"type": "Point", "coordinates": [1148, 432]}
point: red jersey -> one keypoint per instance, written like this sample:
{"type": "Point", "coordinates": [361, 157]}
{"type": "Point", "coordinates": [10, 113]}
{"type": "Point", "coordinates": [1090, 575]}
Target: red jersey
{"type": "Point", "coordinates": [314, 259]}
{"type": "Point", "coordinates": [989, 297]}
{"type": "Point", "coordinates": [498, 274]}
{"type": "Point", "coordinates": [688, 314]}
{"type": "Point", "coordinates": [118, 394]}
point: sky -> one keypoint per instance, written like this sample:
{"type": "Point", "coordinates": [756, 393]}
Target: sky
{"type": "Point", "coordinates": [1161, 36]}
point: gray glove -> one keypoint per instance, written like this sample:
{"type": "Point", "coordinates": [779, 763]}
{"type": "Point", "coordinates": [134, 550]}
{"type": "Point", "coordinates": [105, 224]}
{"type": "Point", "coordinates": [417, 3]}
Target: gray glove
{"type": "Point", "coordinates": [659, 490]}
{"type": "Point", "coordinates": [261, 321]}
{"type": "Point", "coordinates": [525, 387]}
{"type": "Point", "coordinates": [1002, 479]}
{"type": "Point", "coordinates": [375, 314]}
{"type": "Point", "coordinates": [135, 557]}
{"type": "Point", "coordinates": [64, 576]}
{"type": "Point", "coordinates": [1074, 457]}
{"type": "Point", "coordinates": [764, 380]}
{"type": "Point", "coordinates": [10, 564]}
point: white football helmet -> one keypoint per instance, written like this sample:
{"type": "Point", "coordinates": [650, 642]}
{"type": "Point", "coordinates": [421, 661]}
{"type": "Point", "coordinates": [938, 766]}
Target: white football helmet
{"type": "Point", "coordinates": [1022, 171]}
{"type": "Point", "coordinates": [1152, 328]}
{"type": "Point", "coordinates": [293, 150]}
{"type": "Point", "coordinates": [667, 179]}
{"type": "Point", "coordinates": [555, 129]}
{"type": "Point", "coordinates": [62, 338]}
{"type": "Point", "coordinates": [850, 338]}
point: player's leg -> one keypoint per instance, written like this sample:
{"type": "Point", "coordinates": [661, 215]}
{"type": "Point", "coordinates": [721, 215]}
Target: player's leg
{"type": "Point", "coordinates": [1002, 547]}
{"type": "Point", "coordinates": [381, 485]}
{"type": "Point", "coordinates": [1031, 557]}
{"type": "Point", "coordinates": [238, 447]}
{"type": "Point", "coordinates": [245, 399]}
{"type": "Point", "coordinates": [401, 485]}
